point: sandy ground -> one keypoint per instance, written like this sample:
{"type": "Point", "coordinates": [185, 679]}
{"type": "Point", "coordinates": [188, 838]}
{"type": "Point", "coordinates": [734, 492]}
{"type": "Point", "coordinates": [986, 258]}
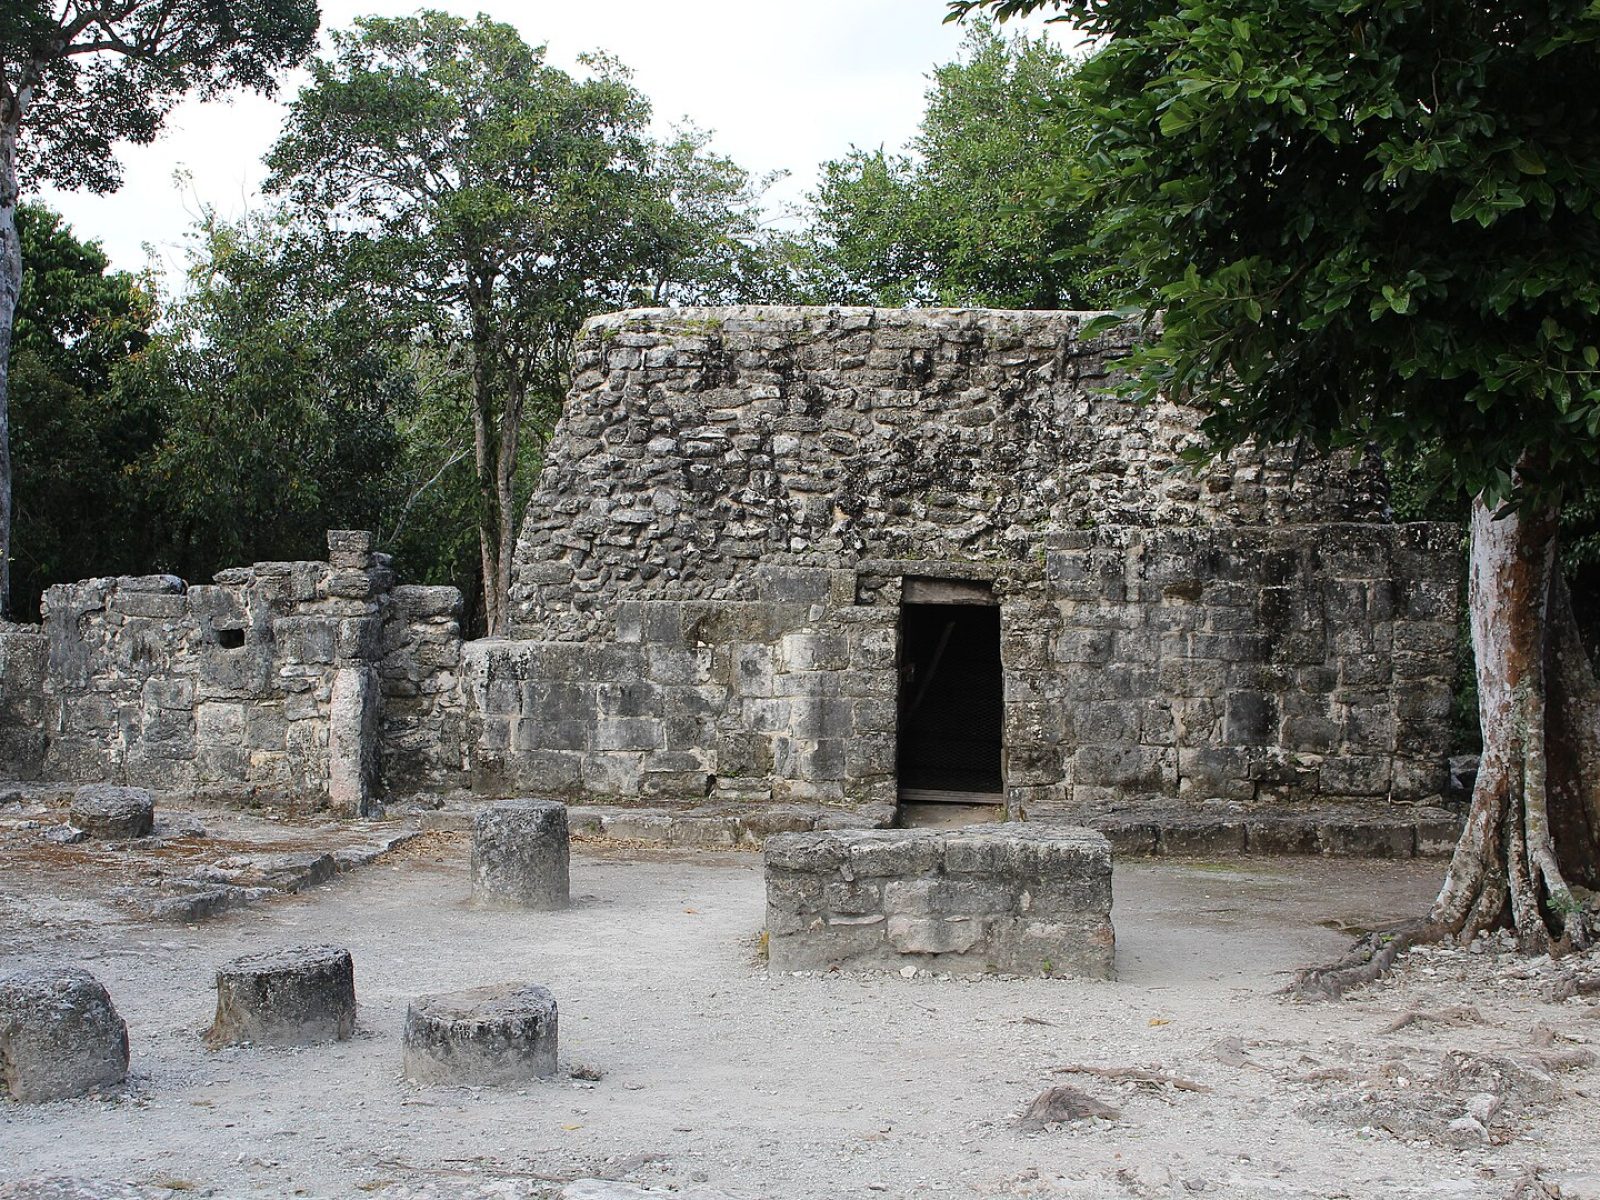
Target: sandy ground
{"type": "Point", "coordinates": [719, 1077]}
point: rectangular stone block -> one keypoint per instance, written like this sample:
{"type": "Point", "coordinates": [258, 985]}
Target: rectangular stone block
{"type": "Point", "coordinates": [1008, 899]}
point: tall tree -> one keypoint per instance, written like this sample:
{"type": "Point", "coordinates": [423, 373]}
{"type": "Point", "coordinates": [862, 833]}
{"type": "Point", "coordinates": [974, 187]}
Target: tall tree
{"type": "Point", "coordinates": [1381, 220]}
{"type": "Point", "coordinates": [953, 219]}
{"type": "Point", "coordinates": [274, 397]}
{"type": "Point", "coordinates": [77, 322]}
{"type": "Point", "coordinates": [78, 76]}
{"type": "Point", "coordinates": [498, 201]}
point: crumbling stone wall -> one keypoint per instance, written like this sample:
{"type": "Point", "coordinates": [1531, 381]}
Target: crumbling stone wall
{"type": "Point", "coordinates": [709, 578]}
{"type": "Point", "coordinates": [300, 682]}
{"type": "Point", "coordinates": [23, 658]}
{"type": "Point", "coordinates": [425, 742]}
{"type": "Point", "coordinates": [698, 443]}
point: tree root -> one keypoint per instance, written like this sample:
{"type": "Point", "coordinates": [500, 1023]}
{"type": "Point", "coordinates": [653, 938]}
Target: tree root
{"type": "Point", "coordinates": [1135, 1075]}
{"type": "Point", "coordinates": [1528, 1186]}
{"type": "Point", "coordinates": [1456, 1014]}
{"type": "Point", "coordinates": [1372, 957]}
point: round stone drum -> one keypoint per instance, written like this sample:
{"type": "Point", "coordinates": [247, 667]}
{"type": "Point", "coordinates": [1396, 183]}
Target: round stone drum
{"type": "Point", "coordinates": [489, 1036]}
{"type": "Point", "coordinates": [520, 855]}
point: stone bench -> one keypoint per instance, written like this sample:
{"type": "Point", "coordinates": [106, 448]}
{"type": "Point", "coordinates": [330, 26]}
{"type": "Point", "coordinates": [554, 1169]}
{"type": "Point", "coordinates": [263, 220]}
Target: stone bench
{"type": "Point", "coordinates": [489, 1036]}
{"type": "Point", "coordinates": [1014, 899]}
{"type": "Point", "coordinates": [60, 1035]}
{"type": "Point", "coordinates": [296, 996]}
{"type": "Point", "coordinates": [520, 855]}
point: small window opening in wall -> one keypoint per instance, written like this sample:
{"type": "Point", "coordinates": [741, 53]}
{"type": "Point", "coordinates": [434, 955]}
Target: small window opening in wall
{"type": "Point", "coordinates": [230, 639]}
{"type": "Point", "coordinates": [951, 698]}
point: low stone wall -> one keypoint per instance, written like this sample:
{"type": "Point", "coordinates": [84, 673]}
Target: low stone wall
{"type": "Point", "coordinates": [1013, 899]}
{"type": "Point", "coordinates": [788, 697]}
{"type": "Point", "coordinates": [308, 683]}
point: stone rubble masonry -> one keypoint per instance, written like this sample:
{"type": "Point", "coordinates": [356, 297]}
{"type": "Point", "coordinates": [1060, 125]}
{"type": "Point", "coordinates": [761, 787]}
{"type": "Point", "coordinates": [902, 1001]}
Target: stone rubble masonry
{"type": "Point", "coordinates": [709, 577]}
{"type": "Point", "coordinates": [60, 1035]}
{"type": "Point", "coordinates": [707, 596]}
{"type": "Point", "coordinates": [306, 683]}
{"type": "Point", "coordinates": [1018, 899]}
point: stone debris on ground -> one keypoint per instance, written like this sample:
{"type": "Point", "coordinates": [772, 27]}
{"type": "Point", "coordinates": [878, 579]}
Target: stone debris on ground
{"type": "Point", "coordinates": [193, 864]}
{"type": "Point", "coordinates": [1062, 1103]}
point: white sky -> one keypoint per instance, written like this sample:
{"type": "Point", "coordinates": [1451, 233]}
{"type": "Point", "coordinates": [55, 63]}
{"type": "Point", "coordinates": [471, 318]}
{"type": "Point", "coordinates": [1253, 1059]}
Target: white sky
{"type": "Point", "coordinates": [782, 86]}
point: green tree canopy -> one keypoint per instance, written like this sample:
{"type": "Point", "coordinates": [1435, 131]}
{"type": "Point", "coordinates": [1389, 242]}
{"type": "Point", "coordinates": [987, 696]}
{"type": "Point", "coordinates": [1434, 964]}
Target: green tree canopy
{"type": "Point", "coordinates": [1361, 221]}
{"type": "Point", "coordinates": [954, 219]}
{"type": "Point", "coordinates": [1380, 220]}
{"type": "Point", "coordinates": [79, 76]}
{"type": "Point", "coordinates": [458, 178]}
{"type": "Point", "coordinates": [275, 399]}
{"type": "Point", "coordinates": [77, 322]}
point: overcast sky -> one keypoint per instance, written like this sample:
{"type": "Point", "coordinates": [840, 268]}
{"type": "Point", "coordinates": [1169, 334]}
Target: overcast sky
{"type": "Point", "coordinates": [782, 86]}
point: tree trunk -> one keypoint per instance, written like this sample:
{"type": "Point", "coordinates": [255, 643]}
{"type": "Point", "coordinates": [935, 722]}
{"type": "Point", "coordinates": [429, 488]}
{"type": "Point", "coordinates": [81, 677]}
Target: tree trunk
{"type": "Point", "coordinates": [505, 486]}
{"type": "Point", "coordinates": [1539, 764]}
{"type": "Point", "coordinates": [1534, 823]}
{"type": "Point", "coordinates": [486, 456]}
{"type": "Point", "coordinates": [10, 291]}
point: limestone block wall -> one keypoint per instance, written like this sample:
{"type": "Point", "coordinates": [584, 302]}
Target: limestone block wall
{"type": "Point", "coordinates": [1014, 899]}
{"type": "Point", "coordinates": [788, 696]}
{"type": "Point", "coordinates": [23, 660]}
{"type": "Point", "coordinates": [308, 683]}
{"type": "Point", "coordinates": [1254, 664]}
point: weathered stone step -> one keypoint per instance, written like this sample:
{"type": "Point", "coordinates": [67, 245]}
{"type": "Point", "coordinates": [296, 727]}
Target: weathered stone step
{"type": "Point", "coordinates": [1177, 831]}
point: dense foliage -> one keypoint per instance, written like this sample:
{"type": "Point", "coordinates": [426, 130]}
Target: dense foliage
{"type": "Point", "coordinates": [78, 511]}
{"type": "Point", "coordinates": [954, 218]}
{"type": "Point", "coordinates": [235, 425]}
{"type": "Point", "coordinates": [275, 404]}
{"type": "Point", "coordinates": [492, 201]}
{"type": "Point", "coordinates": [79, 76]}
{"type": "Point", "coordinates": [92, 73]}
{"type": "Point", "coordinates": [1379, 221]}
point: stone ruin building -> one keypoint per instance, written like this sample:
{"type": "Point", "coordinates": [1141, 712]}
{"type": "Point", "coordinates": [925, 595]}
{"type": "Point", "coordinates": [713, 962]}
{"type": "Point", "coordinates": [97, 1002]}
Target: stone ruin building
{"type": "Point", "coordinates": [832, 556]}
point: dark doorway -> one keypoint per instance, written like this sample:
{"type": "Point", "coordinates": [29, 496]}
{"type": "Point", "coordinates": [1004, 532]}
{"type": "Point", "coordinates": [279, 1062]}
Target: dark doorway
{"type": "Point", "coordinates": [950, 704]}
